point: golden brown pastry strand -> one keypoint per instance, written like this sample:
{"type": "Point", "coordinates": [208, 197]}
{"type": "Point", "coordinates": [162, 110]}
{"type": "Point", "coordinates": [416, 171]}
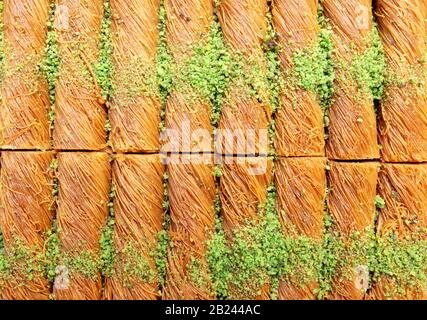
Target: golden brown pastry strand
{"type": "Point", "coordinates": [404, 190]}
{"type": "Point", "coordinates": [403, 116]}
{"type": "Point", "coordinates": [84, 185]}
{"type": "Point", "coordinates": [134, 114]}
{"type": "Point", "coordinates": [352, 209]}
{"type": "Point", "coordinates": [24, 121]}
{"type": "Point", "coordinates": [244, 26]}
{"type": "Point", "coordinates": [299, 125]}
{"type": "Point", "coordinates": [289, 291]}
{"type": "Point", "coordinates": [25, 216]}
{"type": "Point", "coordinates": [242, 191]}
{"type": "Point", "coordinates": [138, 213]}
{"type": "Point", "coordinates": [424, 11]}
{"type": "Point", "coordinates": [188, 24]}
{"type": "Point", "coordinates": [80, 114]}
{"type": "Point", "coordinates": [301, 190]}
{"type": "Point", "coordinates": [192, 222]}
{"type": "Point", "coordinates": [190, 125]}
{"type": "Point", "coordinates": [243, 188]}
{"type": "Point", "coordinates": [352, 128]}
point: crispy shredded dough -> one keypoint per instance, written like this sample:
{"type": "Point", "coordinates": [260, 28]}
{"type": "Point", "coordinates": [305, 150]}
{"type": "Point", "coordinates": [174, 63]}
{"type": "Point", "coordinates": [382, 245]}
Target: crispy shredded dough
{"type": "Point", "coordinates": [424, 11]}
{"type": "Point", "coordinates": [80, 110]}
{"type": "Point", "coordinates": [138, 212]}
{"type": "Point", "coordinates": [299, 121]}
{"type": "Point", "coordinates": [84, 185]}
{"type": "Point", "coordinates": [24, 122]}
{"type": "Point", "coordinates": [192, 222]}
{"type": "Point", "coordinates": [25, 215]}
{"type": "Point", "coordinates": [134, 114]}
{"type": "Point", "coordinates": [243, 187]}
{"type": "Point", "coordinates": [244, 26]}
{"type": "Point", "coordinates": [404, 190]}
{"type": "Point", "coordinates": [85, 177]}
{"type": "Point", "coordinates": [352, 129]}
{"type": "Point", "coordinates": [188, 23]}
{"type": "Point", "coordinates": [351, 204]}
{"type": "Point", "coordinates": [403, 116]}
{"type": "Point", "coordinates": [242, 191]}
{"type": "Point", "coordinates": [301, 190]}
